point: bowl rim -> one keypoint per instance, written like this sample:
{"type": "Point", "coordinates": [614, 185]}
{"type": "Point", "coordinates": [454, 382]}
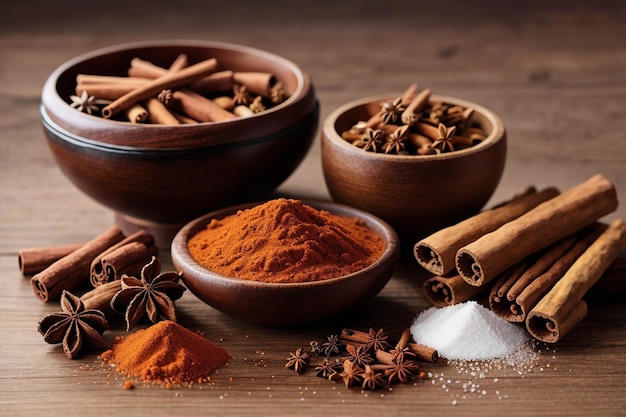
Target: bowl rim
{"type": "Point", "coordinates": [180, 253]}
{"type": "Point", "coordinates": [330, 133]}
{"type": "Point", "coordinates": [182, 42]}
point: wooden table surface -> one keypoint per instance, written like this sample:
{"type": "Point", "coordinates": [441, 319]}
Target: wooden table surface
{"type": "Point", "coordinates": [555, 74]}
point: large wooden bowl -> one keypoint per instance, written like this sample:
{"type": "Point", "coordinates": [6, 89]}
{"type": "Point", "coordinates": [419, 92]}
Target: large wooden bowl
{"type": "Point", "coordinates": [285, 304]}
{"type": "Point", "coordinates": [159, 177]}
{"type": "Point", "coordinates": [416, 194]}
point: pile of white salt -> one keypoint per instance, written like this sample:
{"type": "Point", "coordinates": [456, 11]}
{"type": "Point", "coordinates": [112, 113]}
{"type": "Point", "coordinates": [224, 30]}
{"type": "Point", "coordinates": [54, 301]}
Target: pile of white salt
{"type": "Point", "coordinates": [467, 331]}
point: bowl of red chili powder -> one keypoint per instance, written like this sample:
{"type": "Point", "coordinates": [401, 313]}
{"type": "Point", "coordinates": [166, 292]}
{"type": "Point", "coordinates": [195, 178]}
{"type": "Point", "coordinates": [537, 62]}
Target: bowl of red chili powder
{"type": "Point", "coordinates": [284, 262]}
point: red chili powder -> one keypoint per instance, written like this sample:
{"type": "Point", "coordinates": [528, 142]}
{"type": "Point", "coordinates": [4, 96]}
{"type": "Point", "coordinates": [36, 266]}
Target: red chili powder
{"type": "Point", "coordinates": [284, 240]}
{"type": "Point", "coordinates": [166, 352]}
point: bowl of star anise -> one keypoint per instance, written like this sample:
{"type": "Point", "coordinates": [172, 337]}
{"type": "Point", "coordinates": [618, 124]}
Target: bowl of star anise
{"type": "Point", "coordinates": [417, 160]}
{"type": "Point", "coordinates": [163, 131]}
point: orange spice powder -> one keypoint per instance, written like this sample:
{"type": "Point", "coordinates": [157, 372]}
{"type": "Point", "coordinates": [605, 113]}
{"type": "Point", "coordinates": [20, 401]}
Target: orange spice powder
{"type": "Point", "coordinates": [166, 352]}
{"type": "Point", "coordinates": [284, 240]}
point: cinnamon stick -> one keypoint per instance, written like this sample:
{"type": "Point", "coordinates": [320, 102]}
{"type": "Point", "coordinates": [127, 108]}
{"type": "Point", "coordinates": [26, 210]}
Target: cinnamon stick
{"type": "Point", "coordinates": [446, 291]}
{"type": "Point", "coordinates": [520, 304]}
{"type": "Point", "coordinates": [158, 113]}
{"type": "Point", "coordinates": [106, 91]}
{"type": "Point", "coordinates": [199, 108]}
{"type": "Point", "coordinates": [111, 263]}
{"type": "Point", "coordinates": [437, 252]}
{"type": "Point", "coordinates": [563, 306]}
{"type": "Point", "coordinates": [171, 79]}
{"type": "Point", "coordinates": [482, 260]}
{"type": "Point", "coordinates": [100, 297]}
{"type": "Point", "coordinates": [257, 83]}
{"type": "Point", "coordinates": [136, 114]}
{"type": "Point", "coordinates": [109, 79]}
{"type": "Point", "coordinates": [424, 353]}
{"type": "Point", "coordinates": [72, 270]}
{"type": "Point", "coordinates": [33, 260]}
{"type": "Point", "coordinates": [411, 114]}
{"type": "Point", "coordinates": [213, 83]}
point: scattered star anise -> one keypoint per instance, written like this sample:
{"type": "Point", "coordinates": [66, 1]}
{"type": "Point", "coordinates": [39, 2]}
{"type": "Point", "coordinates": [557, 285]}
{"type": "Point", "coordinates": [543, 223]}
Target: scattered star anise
{"type": "Point", "coordinates": [152, 295]}
{"type": "Point", "coordinates": [331, 345]}
{"type": "Point", "coordinates": [75, 327]}
{"type": "Point", "coordinates": [326, 369]}
{"type": "Point", "coordinates": [401, 370]}
{"type": "Point", "coordinates": [445, 141]}
{"type": "Point", "coordinates": [378, 340]}
{"type": "Point", "coordinates": [297, 360]}
{"type": "Point", "coordinates": [372, 379]}
{"type": "Point", "coordinates": [351, 373]}
{"type": "Point", "coordinates": [85, 103]}
{"type": "Point", "coordinates": [359, 355]}
{"type": "Point", "coordinates": [315, 347]}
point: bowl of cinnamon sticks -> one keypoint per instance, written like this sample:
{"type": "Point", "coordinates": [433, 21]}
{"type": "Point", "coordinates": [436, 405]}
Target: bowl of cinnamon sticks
{"type": "Point", "coordinates": [417, 160]}
{"type": "Point", "coordinates": [163, 131]}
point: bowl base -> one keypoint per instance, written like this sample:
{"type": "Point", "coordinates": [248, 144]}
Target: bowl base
{"type": "Point", "coordinates": [163, 232]}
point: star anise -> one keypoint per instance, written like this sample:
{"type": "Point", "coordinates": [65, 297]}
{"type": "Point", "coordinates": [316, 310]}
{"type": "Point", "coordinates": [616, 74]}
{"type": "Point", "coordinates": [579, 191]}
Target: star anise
{"type": "Point", "coordinates": [445, 141]}
{"type": "Point", "coordinates": [257, 105]}
{"type": "Point", "coordinates": [75, 327]}
{"type": "Point", "coordinates": [378, 340]}
{"type": "Point", "coordinates": [359, 355]}
{"type": "Point", "coordinates": [152, 295]}
{"type": "Point", "coordinates": [351, 373]}
{"type": "Point", "coordinates": [396, 141]}
{"type": "Point", "coordinates": [392, 110]}
{"type": "Point", "coordinates": [326, 369]}
{"type": "Point", "coordinates": [371, 140]}
{"type": "Point", "coordinates": [277, 94]}
{"type": "Point", "coordinates": [372, 379]}
{"type": "Point", "coordinates": [331, 345]}
{"type": "Point", "coordinates": [401, 370]}
{"type": "Point", "coordinates": [241, 95]}
{"type": "Point", "coordinates": [85, 103]}
{"type": "Point", "coordinates": [297, 360]}
{"type": "Point", "coordinates": [315, 347]}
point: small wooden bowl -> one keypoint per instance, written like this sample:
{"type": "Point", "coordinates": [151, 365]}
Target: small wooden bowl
{"type": "Point", "coordinates": [159, 177]}
{"type": "Point", "coordinates": [416, 194]}
{"type": "Point", "coordinates": [285, 304]}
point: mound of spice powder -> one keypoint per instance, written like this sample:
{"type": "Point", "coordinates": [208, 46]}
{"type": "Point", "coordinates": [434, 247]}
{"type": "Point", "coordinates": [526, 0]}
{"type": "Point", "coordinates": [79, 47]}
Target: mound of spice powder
{"type": "Point", "coordinates": [166, 352]}
{"type": "Point", "coordinates": [284, 240]}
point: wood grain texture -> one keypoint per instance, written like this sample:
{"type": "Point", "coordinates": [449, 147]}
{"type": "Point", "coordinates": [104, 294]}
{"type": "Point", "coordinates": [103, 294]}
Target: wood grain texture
{"type": "Point", "coordinates": [555, 74]}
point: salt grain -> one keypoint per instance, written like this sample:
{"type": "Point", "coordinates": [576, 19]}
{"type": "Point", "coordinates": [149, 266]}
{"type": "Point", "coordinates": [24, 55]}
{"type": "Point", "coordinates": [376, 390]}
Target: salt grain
{"type": "Point", "coordinates": [467, 331]}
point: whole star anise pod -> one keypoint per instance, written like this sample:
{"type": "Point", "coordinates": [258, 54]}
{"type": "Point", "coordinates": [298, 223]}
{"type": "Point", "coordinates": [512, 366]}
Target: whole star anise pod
{"type": "Point", "coordinates": [85, 103]}
{"type": "Point", "coordinates": [392, 110]}
{"type": "Point", "coordinates": [359, 355]}
{"type": "Point", "coordinates": [351, 373]}
{"type": "Point", "coordinates": [331, 345]}
{"type": "Point", "coordinates": [241, 95]}
{"type": "Point", "coordinates": [371, 140]}
{"type": "Point", "coordinates": [378, 340]}
{"type": "Point", "coordinates": [372, 379]}
{"type": "Point", "coordinates": [326, 369]}
{"type": "Point", "coordinates": [396, 141]}
{"type": "Point", "coordinates": [445, 141]}
{"type": "Point", "coordinates": [401, 370]}
{"type": "Point", "coordinates": [152, 295]}
{"type": "Point", "coordinates": [75, 327]}
{"type": "Point", "coordinates": [297, 360]}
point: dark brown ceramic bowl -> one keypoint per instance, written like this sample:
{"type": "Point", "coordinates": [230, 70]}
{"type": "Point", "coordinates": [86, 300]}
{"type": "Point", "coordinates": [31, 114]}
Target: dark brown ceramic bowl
{"type": "Point", "coordinates": [416, 194]}
{"type": "Point", "coordinates": [158, 176]}
{"type": "Point", "coordinates": [285, 304]}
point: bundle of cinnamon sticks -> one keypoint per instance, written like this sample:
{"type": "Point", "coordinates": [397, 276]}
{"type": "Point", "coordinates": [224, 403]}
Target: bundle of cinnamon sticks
{"type": "Point", "coordinates": [184, 93]}
{"type": "Point", "coordinates": [99, 262]}
{"type": "Point", "coordinates": [535, 257]}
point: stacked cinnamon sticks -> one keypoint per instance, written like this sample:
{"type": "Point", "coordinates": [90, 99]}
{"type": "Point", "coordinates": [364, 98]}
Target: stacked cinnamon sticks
{"type": "Point", "coordinates": [535, 256]}
{"type": "Point", "coordinates": [99, 261]}
{"type": "Point", "coordinates": [184, 93]}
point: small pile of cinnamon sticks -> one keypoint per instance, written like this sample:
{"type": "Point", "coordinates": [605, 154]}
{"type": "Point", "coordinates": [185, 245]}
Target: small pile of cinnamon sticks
{"type": "Point", "coordinates": [184, 93]}
{"type": "Point", "coordinates": [101, 261]}
{"type": "Point", "coordinates": [535, 256]}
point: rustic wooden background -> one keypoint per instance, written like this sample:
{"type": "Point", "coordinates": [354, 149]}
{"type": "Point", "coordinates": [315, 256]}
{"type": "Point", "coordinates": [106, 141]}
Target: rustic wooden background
{"type": "Point", "coordinates": [555, 73]}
